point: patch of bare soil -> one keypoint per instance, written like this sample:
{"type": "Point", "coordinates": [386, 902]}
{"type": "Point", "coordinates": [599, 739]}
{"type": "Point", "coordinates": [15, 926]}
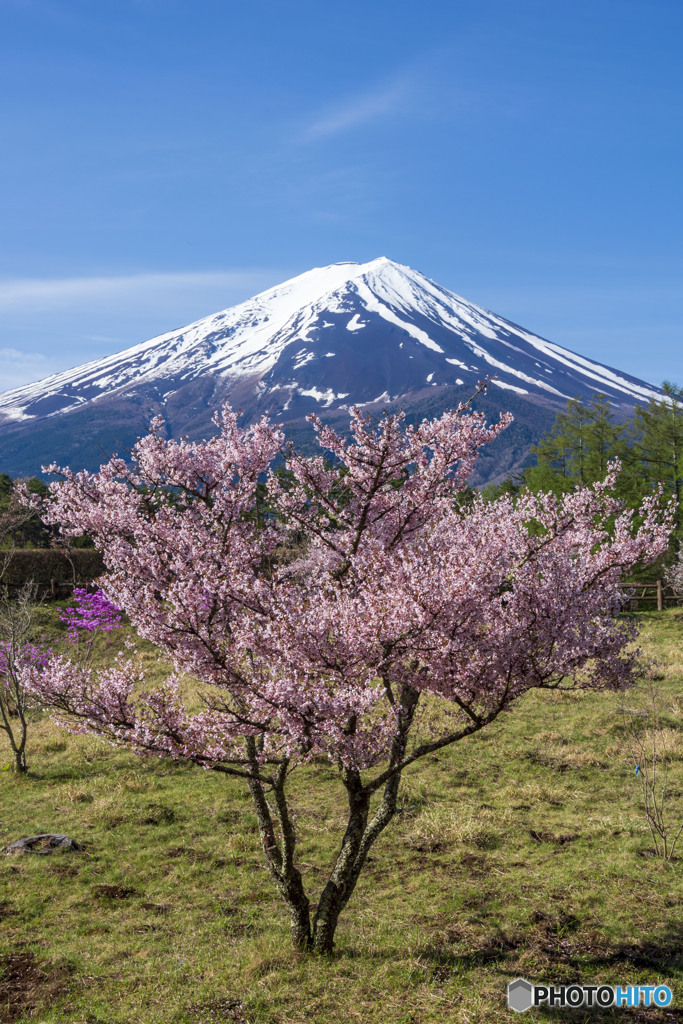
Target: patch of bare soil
{"type": "Point", "coordinates": [113, 892]}
{"type": "Point", "coordinates": [65, 870]}
{"type": "Point", "coordinates": [26, 984]}
{"type": "Point", "coordinates": [475, 864]}
{"type": "Point", "coordinates": [556, 924]}
{"type": "Point", "coordinates": [158, 814]}
{"type": "Point", "coordinates": [156, 908]}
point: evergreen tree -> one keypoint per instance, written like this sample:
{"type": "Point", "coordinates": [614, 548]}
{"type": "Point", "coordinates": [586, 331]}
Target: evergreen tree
{"type": "Point", "coordinates": [603, 439]}
{"type": "Point", "coordinates": [26, 530]}
{"type": "Point", "coordinates": [577, 449]}
{"type": "Point", "coordinates": [657, 442]}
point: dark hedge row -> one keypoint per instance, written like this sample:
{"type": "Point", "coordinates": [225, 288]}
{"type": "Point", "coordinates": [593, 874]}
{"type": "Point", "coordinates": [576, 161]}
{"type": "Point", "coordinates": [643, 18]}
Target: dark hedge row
{"type": "Point", "coordinates": [42, 565]}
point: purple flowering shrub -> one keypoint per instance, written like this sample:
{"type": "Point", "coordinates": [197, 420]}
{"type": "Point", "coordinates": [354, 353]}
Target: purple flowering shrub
{"type": "Point", "coordinates": [91, 613]}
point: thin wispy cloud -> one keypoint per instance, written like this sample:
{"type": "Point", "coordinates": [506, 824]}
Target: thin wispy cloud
{"type": "Point", "coordinates": [358, 110]}
{"type": "Point", "coordinates": [19, 293]}
{"type": "Point", "coordinates": [18, 368]}
{"type": "Point", "coordinates": [51, 324]}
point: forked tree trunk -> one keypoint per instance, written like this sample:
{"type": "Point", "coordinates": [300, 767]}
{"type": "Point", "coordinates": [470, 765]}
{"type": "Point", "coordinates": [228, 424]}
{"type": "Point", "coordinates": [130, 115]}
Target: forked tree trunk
{"type": "Point", "coordinates": [19, 761]}
{"type": "Point", "coordinates": [279, 856]}
{"type": "Point", "coordinates": [342, 881]}
{"type": "Point", "coordinates": [360, 835]}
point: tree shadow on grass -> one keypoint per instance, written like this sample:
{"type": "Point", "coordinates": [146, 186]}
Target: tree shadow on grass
{"type": "Point", "coordinates": [556, 953]}
{"type": "Point", "coordinates": [105, 766]}
{"type": "Point", "coordinates": [562, 960]}
{"type": "Point", "coordinates": [628, 1015]}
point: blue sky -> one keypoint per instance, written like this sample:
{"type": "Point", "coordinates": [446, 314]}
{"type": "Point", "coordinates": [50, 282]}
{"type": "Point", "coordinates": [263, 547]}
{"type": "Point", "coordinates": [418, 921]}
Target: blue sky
{"type": "Point", "coordinates": [164, 159]}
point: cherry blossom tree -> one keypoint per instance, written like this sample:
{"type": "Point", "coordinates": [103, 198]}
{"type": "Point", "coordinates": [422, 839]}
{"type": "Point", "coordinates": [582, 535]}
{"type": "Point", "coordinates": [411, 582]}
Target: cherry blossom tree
{"type": "Point", "coordinates": [408, 620]}
{"type": "Point", "coordinates": [674, 574]}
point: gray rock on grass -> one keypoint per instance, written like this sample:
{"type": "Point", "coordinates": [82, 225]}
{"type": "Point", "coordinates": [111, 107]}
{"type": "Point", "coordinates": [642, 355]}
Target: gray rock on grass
{"type": "Point", "coordinates": [47, 842]}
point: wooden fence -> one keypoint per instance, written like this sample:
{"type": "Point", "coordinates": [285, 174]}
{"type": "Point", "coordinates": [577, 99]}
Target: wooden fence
{"type": "Point", "coordinates": [646, 595]}
{"type": "Point", "coordinates": [52, 590]}
{"type": "Point", "coordinates": [51, 572]}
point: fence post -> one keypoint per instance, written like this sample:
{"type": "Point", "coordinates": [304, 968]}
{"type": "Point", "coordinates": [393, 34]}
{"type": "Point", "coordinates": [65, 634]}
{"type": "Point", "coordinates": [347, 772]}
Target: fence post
{"type": "Point", "coordinates": [660, 599]}
{"type": "Point", "coordinates": [53, 589]}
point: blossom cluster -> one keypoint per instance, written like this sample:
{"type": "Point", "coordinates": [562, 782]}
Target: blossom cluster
{"type": "Point", "coordinates": [13, 657]}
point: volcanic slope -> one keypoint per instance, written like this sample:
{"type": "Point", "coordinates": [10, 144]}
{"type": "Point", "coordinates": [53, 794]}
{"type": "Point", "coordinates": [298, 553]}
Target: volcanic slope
{"type": "Point", "coordinates": [378, 335]}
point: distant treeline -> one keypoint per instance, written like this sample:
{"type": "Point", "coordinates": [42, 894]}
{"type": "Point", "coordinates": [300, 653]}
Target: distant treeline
{"type": "Point", "coordinates": [28, 532]}
{"type": "Point", "coordinates": [28, 554]}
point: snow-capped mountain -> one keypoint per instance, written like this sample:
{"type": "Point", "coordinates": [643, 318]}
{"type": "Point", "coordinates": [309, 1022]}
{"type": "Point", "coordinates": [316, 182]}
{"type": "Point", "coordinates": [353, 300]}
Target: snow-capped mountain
{"type": "Point", "coordinates": [371, 334]}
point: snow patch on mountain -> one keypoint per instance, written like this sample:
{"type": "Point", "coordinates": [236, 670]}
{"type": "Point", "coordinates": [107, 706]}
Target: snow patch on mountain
{"type": "Point", "coordinates": [355, 323]}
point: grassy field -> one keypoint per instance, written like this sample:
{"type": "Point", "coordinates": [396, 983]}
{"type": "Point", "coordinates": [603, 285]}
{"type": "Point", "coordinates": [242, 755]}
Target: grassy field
{"type": "Point", "coordinates": [521, 851]}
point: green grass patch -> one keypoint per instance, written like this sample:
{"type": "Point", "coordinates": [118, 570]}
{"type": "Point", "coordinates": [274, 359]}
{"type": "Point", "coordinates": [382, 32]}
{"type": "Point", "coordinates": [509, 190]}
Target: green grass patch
{"type": "Point", "coordinates": [521, 851]}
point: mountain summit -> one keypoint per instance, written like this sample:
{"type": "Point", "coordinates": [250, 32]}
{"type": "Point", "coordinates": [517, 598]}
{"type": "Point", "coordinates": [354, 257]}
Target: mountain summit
{"type": "Point", "coordinates": [372, 334]}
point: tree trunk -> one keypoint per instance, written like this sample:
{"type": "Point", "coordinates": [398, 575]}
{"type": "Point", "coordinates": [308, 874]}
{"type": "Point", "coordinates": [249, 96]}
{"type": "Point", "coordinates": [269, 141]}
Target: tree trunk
{"type": "Point", "coordinates": [279, 855]}
{"type": "Point", "coordinates": [15, 734]}
{"type": "Point", "coordinates": [342, 881]}
{"type": "Point", "coordinates": [325, 928]}
{"type": "Point", "coordinates": [300, 916]}
{"type": "Point", "coordinates": [361, 834]}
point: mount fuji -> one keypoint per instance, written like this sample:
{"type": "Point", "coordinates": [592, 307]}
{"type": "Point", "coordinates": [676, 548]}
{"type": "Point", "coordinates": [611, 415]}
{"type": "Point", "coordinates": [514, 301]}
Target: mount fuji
{"type": "Point", "coordinates": [377, 335]}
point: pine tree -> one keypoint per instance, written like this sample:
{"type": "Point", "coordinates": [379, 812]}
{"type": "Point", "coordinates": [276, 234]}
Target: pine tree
{"type": "Point", "coordinates": [657, 442]}
{"type": "Point", "coordinates": [577, 449]}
